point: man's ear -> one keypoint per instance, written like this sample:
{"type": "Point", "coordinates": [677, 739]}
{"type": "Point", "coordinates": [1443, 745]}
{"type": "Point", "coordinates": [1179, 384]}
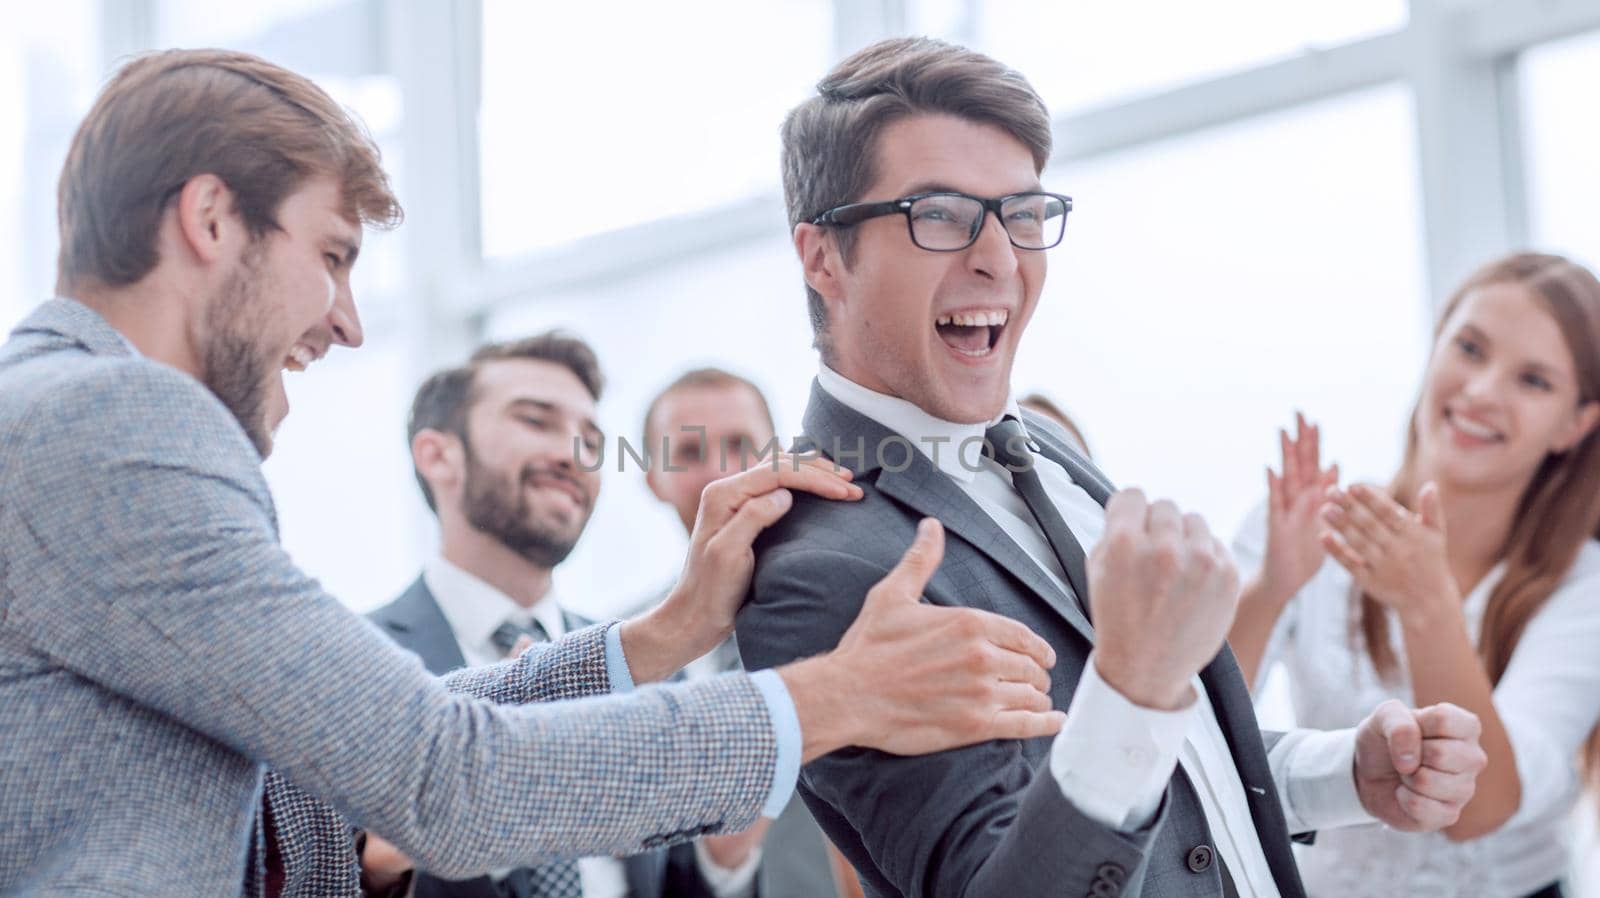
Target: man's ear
{"type": "Point", "coordinates": [441, 460]}
{"type": "Point", "coordinates": [207, 223]}
{"type": "Point", "coordinates": [818, 250]}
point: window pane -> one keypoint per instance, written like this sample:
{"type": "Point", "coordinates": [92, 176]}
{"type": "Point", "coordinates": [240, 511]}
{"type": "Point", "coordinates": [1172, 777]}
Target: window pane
{"type": "Point", "coordinates": [588, 126]}
{"type": "Point", "coordinates": [49, 71]}
{"type": "Point", "coordinates": [1210, 285]}
{"type": "Point", "coordinates": [1563, 146]}
{"type": "Point", "coordinates": [203, 23]}
{"type": "Point", "coordinates": [349, 511]}
{"type": "Point", "coordinates": [1081, 54]}
{"type": "Point", "coordinates": [333, 43]}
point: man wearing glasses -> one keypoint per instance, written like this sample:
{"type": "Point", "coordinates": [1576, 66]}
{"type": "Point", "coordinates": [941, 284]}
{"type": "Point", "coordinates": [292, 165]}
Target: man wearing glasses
{"type": "Point", "coordinates": [913, 190]}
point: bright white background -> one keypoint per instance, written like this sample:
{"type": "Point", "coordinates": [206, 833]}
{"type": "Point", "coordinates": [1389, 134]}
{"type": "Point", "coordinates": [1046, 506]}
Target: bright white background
{"type": "Point", "coordinates": [1269, 195]}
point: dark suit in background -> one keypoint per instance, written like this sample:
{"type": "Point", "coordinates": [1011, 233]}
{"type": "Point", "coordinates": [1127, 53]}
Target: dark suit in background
{"type": "Point", "coordinates": [415, 622]}
{"type": "Point", "coordinates": [989, 819]}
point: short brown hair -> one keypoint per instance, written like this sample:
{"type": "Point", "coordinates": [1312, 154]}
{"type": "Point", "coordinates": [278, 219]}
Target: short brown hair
{"type": "Point", "coordinates": [445, 398]}
{"type": "Point", "coordinates": [709, 378]}
{"type": "Point", "coordinates": [168, 117]}
{"type": "Point", "coordinates": [830, 140]}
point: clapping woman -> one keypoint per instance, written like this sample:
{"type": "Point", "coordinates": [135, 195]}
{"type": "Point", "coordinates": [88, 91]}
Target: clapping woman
{"type": "Point", "coordinates": [1472, 578]}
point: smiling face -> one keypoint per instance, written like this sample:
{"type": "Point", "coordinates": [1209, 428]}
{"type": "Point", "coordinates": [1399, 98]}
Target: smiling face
{"type": "Point", "coordinates": [1501, 393]}
{"type": "Point", "coordinates": [286, 300]}
{"type": "Point", "coordinates": [523, 482]}
{"type": "Point", "coordinates": [711, 432]}
{"type": "Point", "coordinates": [938, 329]}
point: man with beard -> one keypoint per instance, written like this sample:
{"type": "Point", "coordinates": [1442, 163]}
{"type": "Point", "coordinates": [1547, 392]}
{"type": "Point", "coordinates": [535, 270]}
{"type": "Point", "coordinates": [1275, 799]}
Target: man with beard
{"type": "Point", "coordinates": [158, 648]}
{"type": "Point", "coordinates": [493, 443]}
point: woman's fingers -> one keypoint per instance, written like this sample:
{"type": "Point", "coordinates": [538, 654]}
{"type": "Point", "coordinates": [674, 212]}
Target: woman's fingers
{"type": "Point", "coordinates": [1380, 507]}
{"type": "Point", "coordinates": [1347, 557]}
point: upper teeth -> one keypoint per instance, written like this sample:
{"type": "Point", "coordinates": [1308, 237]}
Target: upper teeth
{"type": "Point", "coordinates": [1473, 428]}
{"type": "Point", "coordinates": [974, 319]}
{"type": "Point", "coordinates": [302, 356]}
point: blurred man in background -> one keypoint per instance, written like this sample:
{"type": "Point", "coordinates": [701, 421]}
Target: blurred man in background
{"type": "Point", "coordinates": [492, 445]}
{"type": "Point", "coordinates": [705, 425]}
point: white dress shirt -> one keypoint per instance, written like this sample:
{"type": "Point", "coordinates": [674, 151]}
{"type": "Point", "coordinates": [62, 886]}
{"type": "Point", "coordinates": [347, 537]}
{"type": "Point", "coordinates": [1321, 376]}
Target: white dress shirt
{"type": "Point", "coordinates": [474, 610]}
{"type": "Point", "coordinates": [1113, 759]}
{"type": "Point", "coordinates": [1548, 698]}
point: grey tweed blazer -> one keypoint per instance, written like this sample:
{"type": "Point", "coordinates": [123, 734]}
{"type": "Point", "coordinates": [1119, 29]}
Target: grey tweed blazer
{"type": "Point", "coordinates": [157, 647]}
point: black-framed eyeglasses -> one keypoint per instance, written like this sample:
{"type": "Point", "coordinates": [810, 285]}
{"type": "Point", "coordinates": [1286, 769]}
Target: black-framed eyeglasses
{"type": "Point", "coordinates": [947, 222]}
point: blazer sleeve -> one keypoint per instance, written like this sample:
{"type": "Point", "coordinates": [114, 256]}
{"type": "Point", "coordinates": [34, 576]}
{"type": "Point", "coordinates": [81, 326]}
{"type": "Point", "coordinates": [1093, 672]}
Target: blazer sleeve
{"type": "Point", "coordinates": [316, 844]}
{"type": "Point", "coordinates": [573, 666]}
{"type": "Point", "coordinates": [144, 515]}
{"type": "Point", "coordinates": [977, 821]}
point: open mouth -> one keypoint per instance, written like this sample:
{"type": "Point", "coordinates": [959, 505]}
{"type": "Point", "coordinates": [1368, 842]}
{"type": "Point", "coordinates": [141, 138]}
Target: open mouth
{"type": "Point", "coordinates": [973, 334]}
{"type": "Point", "coordinates": [300, 357]}
{"type": "Point", "coordinates": [1473, 430]}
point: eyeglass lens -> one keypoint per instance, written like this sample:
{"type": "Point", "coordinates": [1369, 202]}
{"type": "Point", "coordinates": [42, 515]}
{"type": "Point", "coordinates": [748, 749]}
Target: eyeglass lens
{"type": "Point", "coordinates": [949, 222]}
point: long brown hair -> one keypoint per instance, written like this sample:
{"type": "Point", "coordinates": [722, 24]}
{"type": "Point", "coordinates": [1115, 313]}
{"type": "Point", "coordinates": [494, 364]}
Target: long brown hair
{"type": "Point", "coordinates": [1559, 510]}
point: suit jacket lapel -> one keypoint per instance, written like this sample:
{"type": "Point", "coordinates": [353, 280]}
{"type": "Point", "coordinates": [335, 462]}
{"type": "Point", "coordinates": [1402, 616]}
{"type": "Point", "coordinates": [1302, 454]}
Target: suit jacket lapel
{"type": "Point", "coordinates": [1230, 698]}
{"type": "Point", "coordinates": [838, 431]}
{"type": "Point", "coordinates": [415, 622]}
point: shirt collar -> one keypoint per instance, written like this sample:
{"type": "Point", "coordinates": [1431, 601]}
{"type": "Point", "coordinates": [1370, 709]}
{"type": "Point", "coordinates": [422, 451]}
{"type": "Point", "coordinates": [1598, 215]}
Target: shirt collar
{"type": "Point", "coordinates": [940, 440]}
{"type": "Point", "coordinates": [474, 609]}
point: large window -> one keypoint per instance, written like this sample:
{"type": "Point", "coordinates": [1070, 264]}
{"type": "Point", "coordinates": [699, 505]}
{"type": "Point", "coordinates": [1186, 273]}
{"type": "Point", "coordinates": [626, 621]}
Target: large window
{"type": "Point", "coordinates": [1082, 54]}
{"type": "Point", "coordinates": [597, 116]}
{"type": "Point", "coordinates": [1563, 147]}
{"type": "Point", "coordinates": [1211, 285]}
{"type": "Point", "coordinates": [49, 71]}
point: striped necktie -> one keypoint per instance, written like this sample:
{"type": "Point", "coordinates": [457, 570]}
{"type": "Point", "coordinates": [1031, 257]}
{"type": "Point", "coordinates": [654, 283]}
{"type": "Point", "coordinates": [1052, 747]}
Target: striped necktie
{"type": "Point", "coordinates": [505, 636]}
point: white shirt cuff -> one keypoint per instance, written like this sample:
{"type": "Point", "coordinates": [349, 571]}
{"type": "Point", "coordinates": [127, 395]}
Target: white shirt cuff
{"type": "Point", "coordinates": [616, 662]}
{"type": "Point", "coordinates": [786, 724]}
{"type": "Point", "coordinates": [739, 882]}
{"type": "Point", "coordinates": [1315, 774]}
{"type": "Point", "coordinates": [1113, 758]}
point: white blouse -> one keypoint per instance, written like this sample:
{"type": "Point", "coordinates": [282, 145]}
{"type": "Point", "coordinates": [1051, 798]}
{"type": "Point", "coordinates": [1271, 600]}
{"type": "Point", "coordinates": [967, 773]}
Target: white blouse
{"type": "Point", "coordinates": [1548, 698]}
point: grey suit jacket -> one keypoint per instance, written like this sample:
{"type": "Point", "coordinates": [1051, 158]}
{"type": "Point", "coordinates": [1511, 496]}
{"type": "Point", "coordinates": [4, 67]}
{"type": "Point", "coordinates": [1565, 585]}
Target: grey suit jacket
{"type": "Point", "coordinates": [157, 646]}
{"type": "Point", "coordinates": [415, 622]}
{"type": "Point", "coordinates": [988, 819]}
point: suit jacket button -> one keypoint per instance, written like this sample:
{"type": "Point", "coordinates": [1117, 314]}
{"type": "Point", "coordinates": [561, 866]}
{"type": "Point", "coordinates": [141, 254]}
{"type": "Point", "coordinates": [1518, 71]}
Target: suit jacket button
{"type": "Point", "coordinates": [1200, 858]}
{"type": "Point", "coordinates": [1112, 873]}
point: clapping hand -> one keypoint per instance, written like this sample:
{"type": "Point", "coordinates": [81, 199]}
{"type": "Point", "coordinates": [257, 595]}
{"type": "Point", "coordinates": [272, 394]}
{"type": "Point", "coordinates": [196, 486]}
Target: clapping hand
{"type": "Point", "coordinates": [1394, 555]}
{"type": "Point", "coordinates": [1294, 497]}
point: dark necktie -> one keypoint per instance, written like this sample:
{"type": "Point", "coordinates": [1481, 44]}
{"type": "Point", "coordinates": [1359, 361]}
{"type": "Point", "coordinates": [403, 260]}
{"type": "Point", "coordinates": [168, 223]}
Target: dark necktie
{"type": "Point", "coordinates": [557, 880]}
{"type": "Point", "coordinates": [504, 638]}
{"type": "Point", "coordinates": [1008, 442]}
{"type": "Point", "coordinates": [554, 880]}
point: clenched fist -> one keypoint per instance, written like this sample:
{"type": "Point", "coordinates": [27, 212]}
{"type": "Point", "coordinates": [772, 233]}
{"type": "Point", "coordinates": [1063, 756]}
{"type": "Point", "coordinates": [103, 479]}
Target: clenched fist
{"type": "Point", "coordinates": [1162, 592]}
